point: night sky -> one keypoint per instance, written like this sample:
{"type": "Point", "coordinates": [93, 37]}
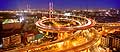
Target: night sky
{"type": "Point", "coordinates": [59, 4]}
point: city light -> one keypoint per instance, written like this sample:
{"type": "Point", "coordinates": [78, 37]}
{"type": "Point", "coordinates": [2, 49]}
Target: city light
{"type": "Point", "coordinates": [67, 14]}
{"type": "Point", "coordinates": [21, 19]}
{"type": "Point", "coordinates": [59, 26]}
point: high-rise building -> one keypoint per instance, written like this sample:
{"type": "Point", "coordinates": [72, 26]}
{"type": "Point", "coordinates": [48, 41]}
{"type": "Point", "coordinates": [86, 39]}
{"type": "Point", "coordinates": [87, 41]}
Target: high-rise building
{"type": "Point", "coordinates": [112, 41]}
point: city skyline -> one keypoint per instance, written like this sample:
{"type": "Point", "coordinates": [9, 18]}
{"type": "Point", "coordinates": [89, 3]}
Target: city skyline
{"type": "Point", "coordinates": [59, 4]}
